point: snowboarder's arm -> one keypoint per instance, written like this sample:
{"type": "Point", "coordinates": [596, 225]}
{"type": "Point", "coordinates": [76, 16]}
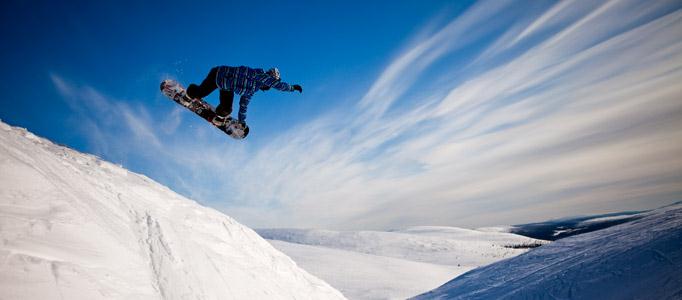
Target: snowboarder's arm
{"type": "Point", "coordinates": [274, 83]}
{"type": "Point", "coordinates": [283, 86]}
{"type": "Point", "coordinates": [243, 105]}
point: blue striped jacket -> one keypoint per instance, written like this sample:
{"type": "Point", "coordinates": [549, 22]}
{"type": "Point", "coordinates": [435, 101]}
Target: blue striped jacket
{"type": "Point", "coordinates": [246, 81]}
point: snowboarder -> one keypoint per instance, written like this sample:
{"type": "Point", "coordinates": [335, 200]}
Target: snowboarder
{"type": "Point", "coordinates": [242, 80]}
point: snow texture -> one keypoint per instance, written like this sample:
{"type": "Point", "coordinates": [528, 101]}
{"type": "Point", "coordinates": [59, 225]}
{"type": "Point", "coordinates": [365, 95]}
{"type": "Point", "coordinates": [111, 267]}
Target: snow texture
{"type": "Point", "coordinates": [396, 264]}
{"type": "Point", "coordinates": [75, 227]}
{"type": "Point", "coordinates": [641, 259]}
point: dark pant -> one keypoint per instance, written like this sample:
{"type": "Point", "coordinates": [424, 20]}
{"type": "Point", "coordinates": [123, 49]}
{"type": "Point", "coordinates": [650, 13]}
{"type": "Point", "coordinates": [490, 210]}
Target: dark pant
{"type": "Point", "coordinates": [208, 86]}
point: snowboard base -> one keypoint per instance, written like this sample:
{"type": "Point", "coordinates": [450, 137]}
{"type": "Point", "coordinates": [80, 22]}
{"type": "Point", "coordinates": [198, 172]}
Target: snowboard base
{"type": "Point", "coordinates": [176, 92]}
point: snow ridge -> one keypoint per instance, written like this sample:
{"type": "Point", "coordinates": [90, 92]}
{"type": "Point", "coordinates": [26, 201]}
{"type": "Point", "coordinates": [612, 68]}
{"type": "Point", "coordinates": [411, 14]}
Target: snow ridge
{"type": "Point", "coordinates": [641, 259]}
{"type": "Point", "coordinates": [440, 245]}
{"type": "Point", "coordinates": [76, 227]}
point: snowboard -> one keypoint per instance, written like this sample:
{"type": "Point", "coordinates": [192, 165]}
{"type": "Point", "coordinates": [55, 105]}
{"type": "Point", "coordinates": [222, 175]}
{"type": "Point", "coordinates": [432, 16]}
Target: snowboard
{"type": "Point", "coordinates": [176, 92]}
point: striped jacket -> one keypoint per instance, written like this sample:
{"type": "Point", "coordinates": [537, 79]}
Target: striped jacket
{"type": "Point", "coordinates": [246, 81]}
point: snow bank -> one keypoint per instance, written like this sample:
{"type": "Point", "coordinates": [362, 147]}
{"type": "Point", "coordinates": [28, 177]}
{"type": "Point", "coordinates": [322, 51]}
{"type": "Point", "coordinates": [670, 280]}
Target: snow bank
{"type": "Point", "coordinates": [641, 259]}
{"type": "Point", "coordinates": [75, 227]}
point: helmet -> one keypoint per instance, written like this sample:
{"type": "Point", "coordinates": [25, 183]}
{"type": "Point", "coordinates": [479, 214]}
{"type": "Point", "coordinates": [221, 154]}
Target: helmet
{"type": "Point", "coordinates": [274, 72]}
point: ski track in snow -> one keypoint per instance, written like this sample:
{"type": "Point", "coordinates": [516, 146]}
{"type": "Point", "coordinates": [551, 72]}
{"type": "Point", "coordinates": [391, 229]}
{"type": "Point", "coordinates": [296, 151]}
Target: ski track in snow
{"type": "Point", "coordinates": [75, 227]}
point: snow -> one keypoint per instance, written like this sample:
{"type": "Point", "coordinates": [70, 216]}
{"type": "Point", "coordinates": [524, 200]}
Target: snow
{"type": "Point", "coordinates": [75, 227]}
{"type": "Point", "coordinates": [366, 276]}
{"type": "Point", "coordinates": [605, 219]}
{"type": "Point", "coordinates": [563, 231]}
{"type": "Point", "coordinates": [505, 228]}
{"type": "Point", "coordinates": [641, 259]}
{"type": "Point", "coordinates": [395, 264]}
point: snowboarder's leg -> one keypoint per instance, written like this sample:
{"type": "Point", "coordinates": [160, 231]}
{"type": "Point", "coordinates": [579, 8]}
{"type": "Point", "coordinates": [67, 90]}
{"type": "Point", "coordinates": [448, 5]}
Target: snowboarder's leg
{"type": "Point", "coordinates": [207, 86]}
{"type": "Point", "coordinates": [224, 109]}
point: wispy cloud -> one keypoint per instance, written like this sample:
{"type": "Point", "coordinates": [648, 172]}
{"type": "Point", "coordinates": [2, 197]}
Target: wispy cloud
{"type": "Point", "coordinates": [181, 153]}
{"type": "Point", "coordinates": [544, 125]}
{"type": "Point", "coordinates": [568, 108]}
{"type": "Point", "coordinates": [106, 119]}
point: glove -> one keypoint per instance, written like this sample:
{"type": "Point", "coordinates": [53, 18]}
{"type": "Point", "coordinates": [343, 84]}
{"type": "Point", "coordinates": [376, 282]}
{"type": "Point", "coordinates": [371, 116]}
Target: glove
{"type": "Point", "coordinates": [245, 128]}
{"type": "Point", "coordinates": [242, 123]}
{"type": "Point", "coordinates": [298, 88]}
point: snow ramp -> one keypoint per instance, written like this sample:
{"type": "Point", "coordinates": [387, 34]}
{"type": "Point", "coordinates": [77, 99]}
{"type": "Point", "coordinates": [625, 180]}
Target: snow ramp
{"type": "Point", "coordinates": [75, 227]}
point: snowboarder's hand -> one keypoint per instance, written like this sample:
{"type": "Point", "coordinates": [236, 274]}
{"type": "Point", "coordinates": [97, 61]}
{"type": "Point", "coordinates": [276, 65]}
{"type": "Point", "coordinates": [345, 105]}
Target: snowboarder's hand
{"type": "Point", "coordinates": [298, 88]}
{"type": "Point", "coordinates": [244, 127]}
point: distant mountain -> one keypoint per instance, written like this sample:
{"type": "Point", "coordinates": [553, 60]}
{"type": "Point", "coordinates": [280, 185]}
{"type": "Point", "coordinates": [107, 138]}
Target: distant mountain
{"type": "Point", "coordinates": [396, 264]}
{"type": "Point", "coordinates": [558, 229]}
{"type": "Point", "coordinates": [75, 227]}
{"type": "Point", "coordinates": [640, 259]}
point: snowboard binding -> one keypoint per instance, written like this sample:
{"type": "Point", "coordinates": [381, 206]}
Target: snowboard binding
{"type": "Point", "coordinates": [174, 91]}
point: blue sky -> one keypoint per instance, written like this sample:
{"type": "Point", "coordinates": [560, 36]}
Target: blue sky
{"type": "Point", "coordinates": [435, 113]}
{"type": "Point", "coordinates": [124, 47]}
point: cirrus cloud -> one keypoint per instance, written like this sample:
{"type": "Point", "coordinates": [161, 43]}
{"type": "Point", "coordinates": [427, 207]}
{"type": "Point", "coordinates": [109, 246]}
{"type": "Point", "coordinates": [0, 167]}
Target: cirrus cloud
{"type": "Point", "coordinates": [562, 109]}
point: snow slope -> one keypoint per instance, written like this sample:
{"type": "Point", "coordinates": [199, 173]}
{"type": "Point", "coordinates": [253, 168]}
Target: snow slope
{"type": "Point", "coordinates": [641, 259]}
{"type": "Point", "coordinates": [75, 227]}
{"type": "Point", "coordinates": [396, 264]}
{"type": "Point", "coordinates": [366, 276]}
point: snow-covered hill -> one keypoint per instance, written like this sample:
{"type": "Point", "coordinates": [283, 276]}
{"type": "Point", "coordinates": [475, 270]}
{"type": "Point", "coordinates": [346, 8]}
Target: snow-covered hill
{"type": "Point", "coordinates": [75, 227]}
{"type": "Point", "coordinates": [641, 259]}
{"type": "Point", "coordinates": [553, 230]}
{"type": "Point", "coordinates": [395, 264]}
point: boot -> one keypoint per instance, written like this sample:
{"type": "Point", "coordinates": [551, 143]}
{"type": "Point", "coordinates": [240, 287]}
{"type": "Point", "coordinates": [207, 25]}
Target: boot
{"type": "Point", "coordinates": [219, 120]}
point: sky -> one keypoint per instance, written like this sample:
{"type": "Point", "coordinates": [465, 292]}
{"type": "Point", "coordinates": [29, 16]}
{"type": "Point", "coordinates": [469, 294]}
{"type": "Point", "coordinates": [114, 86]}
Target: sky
{"type": "Point", "coordinates": [452, 113]}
